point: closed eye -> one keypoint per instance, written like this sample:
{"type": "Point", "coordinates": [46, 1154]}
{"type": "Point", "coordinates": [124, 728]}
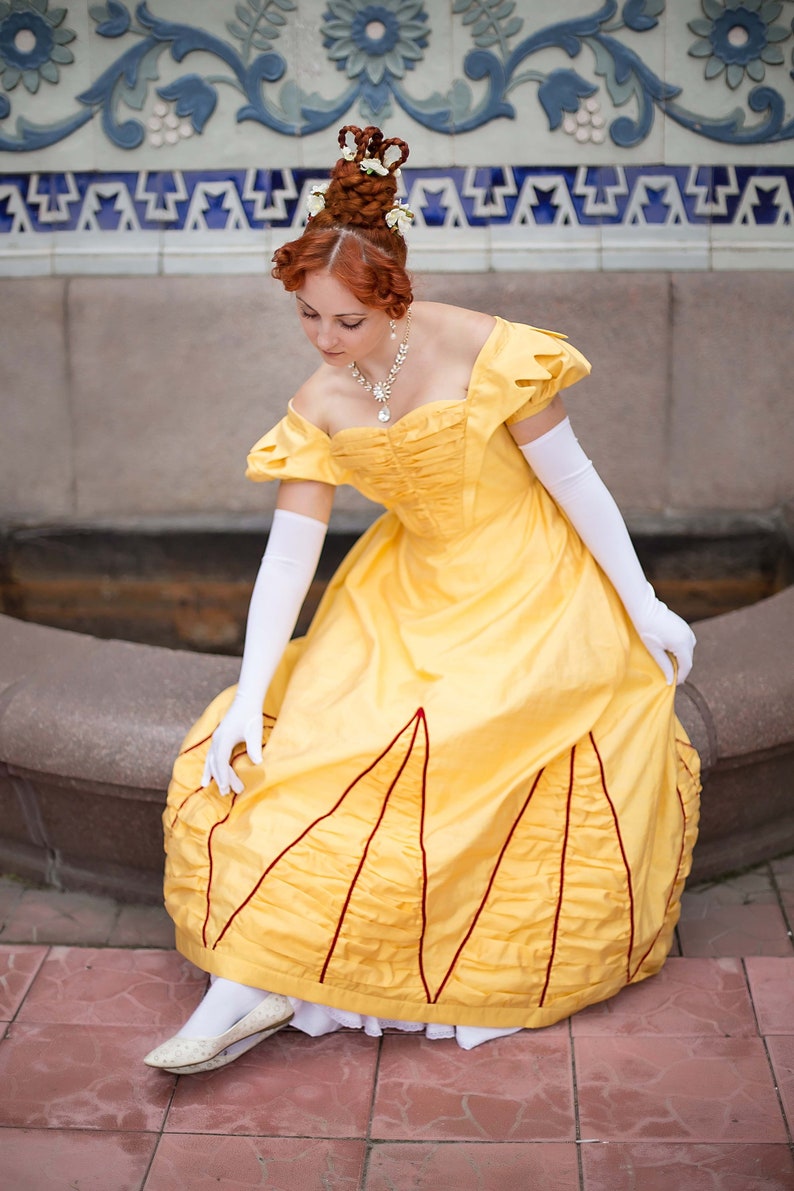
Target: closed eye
{"type": "Point", "coordinates": [311, 314]}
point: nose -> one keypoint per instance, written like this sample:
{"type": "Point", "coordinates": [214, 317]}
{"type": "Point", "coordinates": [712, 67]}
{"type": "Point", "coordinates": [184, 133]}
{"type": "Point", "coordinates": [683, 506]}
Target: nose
{"type": "Point", "coordinates": [326, 338]}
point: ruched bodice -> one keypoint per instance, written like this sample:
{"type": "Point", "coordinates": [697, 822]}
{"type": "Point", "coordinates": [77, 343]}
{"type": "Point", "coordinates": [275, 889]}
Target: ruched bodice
{"type": "Point", "coordinates": [476, 805]}
{"type": "Point", "coordinates": [413, 467]}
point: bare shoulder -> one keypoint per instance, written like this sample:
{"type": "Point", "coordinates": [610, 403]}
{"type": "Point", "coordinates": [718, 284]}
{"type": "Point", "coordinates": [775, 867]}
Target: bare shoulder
{"type": "Point", "coordinates": [457, 331]}
{"type": "Point", "coordinates": [312, 398]}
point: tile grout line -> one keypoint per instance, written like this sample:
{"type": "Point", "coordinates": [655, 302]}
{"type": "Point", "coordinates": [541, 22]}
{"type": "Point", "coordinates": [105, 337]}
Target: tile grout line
{"type": "Point", "coordinates": [576, 1119]}
{"type": "Point", "coordinates": [159, 1134]}
{"type": "Point", "coordinates": [45, 956]}
{"type": "Point", "coordinates": [777, 1093]}
{"type": "Point", "coordinates": [771, 1065]}
{"type": "Point", "coordinates": [780, 902]}
{"type": "Point", "coordinates": [368, 1130]}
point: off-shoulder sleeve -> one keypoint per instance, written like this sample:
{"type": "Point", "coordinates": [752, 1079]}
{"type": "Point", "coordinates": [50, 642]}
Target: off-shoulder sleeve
{"type": "Point", "coordinates": [294, 449]}
{"type": "Point", "coordinates": [520, 370]}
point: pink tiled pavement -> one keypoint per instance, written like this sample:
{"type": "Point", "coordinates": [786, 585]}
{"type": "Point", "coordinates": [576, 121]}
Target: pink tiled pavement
{"type": "Point", "coordinates": [92, 986]}
{"type": "Point", "coordinates": [53, 1159]}
{"type": "Point", "coordinates": [518, 1088]}
{"type": "Point", "coordinates": [201, 1162]}
{"type": "Point", "coordinates": [674, 1166]}
{"type": "Point", "coordinates": [770, 981]}
{"type": "Point", "coordinates": [688, 996]}
{"type": "Point", "coordinates": [682, 1083]}
{"type": "Point", "coordinates": [80, 1077]}
{"type": "Point", "coordinates": [733, 930]}
{"type": "Point", "coordinates": [781, 1054]}
{"type": "Point", "coordinates": [497, 1166]}
{"type": "Point", "coordinates": [294, 1087]}
{"type": "Point", "coordinates": [18, 967]}
{"type": "Point", "coordinates": [677, 1089]}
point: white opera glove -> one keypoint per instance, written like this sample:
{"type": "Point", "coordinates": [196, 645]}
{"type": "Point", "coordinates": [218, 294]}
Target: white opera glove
{"type": "Point", "coordinates": [287, 568]}
{"type": "Point", "coordinates": [570, 478]}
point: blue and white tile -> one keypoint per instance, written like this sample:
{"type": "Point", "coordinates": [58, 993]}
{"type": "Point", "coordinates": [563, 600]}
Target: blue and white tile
{"type": "Point", "coordinates": [703, 99]}
{"type": "Point", "coordinates": [53, 104]}
{"type": "Point", "coordinates": [757, 229]}
{"type": "Point", "coordinates": [25, 244]}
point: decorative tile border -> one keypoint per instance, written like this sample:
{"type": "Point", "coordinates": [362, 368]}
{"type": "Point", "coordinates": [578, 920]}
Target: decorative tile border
{"type": "Point", "coordinates": [497, 217]}
{"type": "Point", "coordinates": [383, 49]}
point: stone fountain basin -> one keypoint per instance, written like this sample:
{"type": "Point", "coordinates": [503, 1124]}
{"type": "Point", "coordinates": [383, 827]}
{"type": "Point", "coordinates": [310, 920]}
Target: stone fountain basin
{"type": "Point", "coordinates": [89, 729]}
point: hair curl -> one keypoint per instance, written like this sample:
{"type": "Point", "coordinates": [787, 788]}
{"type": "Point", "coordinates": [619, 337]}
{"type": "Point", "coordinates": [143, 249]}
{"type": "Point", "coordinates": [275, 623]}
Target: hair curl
{"type": "Point", "coordinates": [350, 238]}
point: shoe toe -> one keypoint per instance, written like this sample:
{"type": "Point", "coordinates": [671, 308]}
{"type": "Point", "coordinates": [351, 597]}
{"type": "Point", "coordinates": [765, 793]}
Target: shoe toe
{"type": "Point", "coordinates": [273, 1012]}
{"type": "Point", "coordinates": [181, 1052]}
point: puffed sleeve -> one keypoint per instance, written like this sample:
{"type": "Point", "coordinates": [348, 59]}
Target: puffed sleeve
{"type": "Point", "coordinates": [295, 449]}
{"type": "Point", "coordinates": [520, 370]}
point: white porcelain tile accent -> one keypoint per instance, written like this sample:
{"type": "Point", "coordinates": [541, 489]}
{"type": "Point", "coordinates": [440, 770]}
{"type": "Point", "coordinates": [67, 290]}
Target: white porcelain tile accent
{"type": "Point", "coordinates": [219, 261]}
{"type": "Point", "coordinates": [517, 248]}
{"type": "Point", "coordinates": [108, 253]}
{"type": "Point", "coordinates": [623, 249]}
{"type": "Point", "coordinates": [25, 262]}
{"type": "Point", "coordinates": [755, 257]}
{"type": "Point", "coordinates": [450, 250]}
{"type": "Point", "coordinates": [67, 263]}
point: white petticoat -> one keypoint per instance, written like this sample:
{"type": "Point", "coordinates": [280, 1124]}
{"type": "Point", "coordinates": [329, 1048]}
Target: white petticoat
{"type": "Point", "coordinates": [319, 1019]}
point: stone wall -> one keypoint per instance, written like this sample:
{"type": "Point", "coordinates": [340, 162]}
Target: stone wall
{"type": "Point", "coordinates": [136, 399]}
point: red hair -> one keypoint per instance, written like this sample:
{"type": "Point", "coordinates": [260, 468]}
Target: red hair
{"type": "Point", "coordinates": [349, 238]}
{"type": "Point", "coordinates": [374, 278]}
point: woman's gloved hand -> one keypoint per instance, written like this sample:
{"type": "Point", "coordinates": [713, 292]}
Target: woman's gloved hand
{"type": "Point", "coordinates": [287, 568]}
{"type": "Point", "coordinates": [242, 722]}
{"type": "Point", "coordinates": [663, 632]}
{"type": "Point", "coordinates": [568, 475]}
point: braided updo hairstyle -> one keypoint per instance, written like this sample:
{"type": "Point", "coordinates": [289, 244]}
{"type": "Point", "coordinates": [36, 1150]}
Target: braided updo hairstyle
{"type": "Point", "coordinates": [349, 238]}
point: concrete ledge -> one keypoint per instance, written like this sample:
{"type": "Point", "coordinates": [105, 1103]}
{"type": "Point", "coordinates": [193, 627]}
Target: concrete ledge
{"type": "Point", "coordinates": [89, 730]}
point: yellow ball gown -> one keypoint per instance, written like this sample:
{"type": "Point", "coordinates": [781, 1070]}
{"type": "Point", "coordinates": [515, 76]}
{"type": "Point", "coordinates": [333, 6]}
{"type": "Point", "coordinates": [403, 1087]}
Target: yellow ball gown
{"type": "Point", "coordinates": [476, 804]}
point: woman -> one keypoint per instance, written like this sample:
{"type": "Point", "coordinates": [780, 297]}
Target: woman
{"type": "Point", "coordinates": [474, 809]}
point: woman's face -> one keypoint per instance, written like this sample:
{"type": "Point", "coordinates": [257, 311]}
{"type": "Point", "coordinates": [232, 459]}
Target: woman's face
{"type": "Point", "coordinates": [336, 323]}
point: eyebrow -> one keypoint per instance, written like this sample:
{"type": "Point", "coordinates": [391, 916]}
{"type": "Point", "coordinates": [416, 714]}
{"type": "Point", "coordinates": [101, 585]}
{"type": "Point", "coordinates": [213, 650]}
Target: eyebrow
{"type": "Point", "coordinates": [346, 314]}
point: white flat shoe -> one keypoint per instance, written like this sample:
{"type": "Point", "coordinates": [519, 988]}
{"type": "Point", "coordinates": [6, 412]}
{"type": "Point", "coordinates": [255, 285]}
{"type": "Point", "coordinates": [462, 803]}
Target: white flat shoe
{"type": "Point", "coordinates": [180, 1054]}
{"type": "Point", "coordinates": [225, 1056]}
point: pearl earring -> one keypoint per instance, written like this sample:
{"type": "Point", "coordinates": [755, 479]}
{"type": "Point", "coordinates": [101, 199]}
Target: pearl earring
{"type": "Point", "coordinates": [392, 329]}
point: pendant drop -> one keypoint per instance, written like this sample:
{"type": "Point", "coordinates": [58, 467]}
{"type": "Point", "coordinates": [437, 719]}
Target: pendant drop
{"type": "Point", "coordinates": [381, 390]}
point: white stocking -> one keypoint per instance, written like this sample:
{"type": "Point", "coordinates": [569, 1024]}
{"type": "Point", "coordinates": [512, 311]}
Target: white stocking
{"type": "Point", "coordinates": [224, 1003]}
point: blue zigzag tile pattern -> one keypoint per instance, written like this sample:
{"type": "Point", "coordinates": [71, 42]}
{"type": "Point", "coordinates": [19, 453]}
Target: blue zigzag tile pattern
{"type": "Point", "coordinates": [228, 201]}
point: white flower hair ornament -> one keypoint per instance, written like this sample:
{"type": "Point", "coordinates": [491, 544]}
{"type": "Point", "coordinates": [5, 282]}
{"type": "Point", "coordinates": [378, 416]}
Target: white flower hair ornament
{"type": "Point", "coordinates": [400, 218]}
{"type": "Point", "coordinates": [316, 200]}
{"type": "Point", "coordinates": [371, 165]}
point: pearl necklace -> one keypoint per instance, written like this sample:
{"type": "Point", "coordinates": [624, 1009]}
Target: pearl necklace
{"type": "Point", "coordinates": [381, 390]}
